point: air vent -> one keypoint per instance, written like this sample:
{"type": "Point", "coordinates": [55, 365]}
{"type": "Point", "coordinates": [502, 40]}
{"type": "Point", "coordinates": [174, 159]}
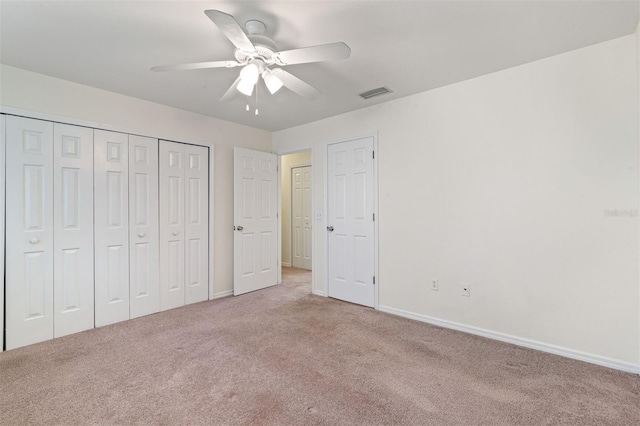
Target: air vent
{"type": "Point", "coordinates": [374, 92]}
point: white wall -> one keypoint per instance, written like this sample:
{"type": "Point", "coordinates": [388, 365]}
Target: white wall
{"type": "Point", "coordinates": [502, 182]}
{"type": "Point", "coordinates": [42, 94]}
{"type": "Point", "coordinates": [289, 161]}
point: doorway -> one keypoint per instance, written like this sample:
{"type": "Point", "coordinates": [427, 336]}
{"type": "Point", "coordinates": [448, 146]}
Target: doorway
{"type": "Point", "coordinates": [296, 214]}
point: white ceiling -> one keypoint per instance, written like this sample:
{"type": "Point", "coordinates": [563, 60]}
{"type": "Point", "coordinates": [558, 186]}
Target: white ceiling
{"type": "Point", "coordinates": [408, 46]}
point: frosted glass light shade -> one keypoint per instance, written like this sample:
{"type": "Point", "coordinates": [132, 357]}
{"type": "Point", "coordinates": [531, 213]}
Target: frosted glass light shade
{"type": "Point", "coordinates": [250, 73]}
{"type": "Point", "coordinates": [245, 87]}
{"type": "Point", "coordinates": [272, 82]}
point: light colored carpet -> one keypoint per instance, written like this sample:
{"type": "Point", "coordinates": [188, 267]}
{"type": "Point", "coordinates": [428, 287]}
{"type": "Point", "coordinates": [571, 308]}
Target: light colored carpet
{"type": "Point", "coordinates": [283, 356]}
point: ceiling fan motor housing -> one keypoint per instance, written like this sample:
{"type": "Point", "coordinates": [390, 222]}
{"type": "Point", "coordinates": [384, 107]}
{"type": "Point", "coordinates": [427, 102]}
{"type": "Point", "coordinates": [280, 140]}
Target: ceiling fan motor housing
{"type": "Point", "coordinates": [265, 47]}
{"type": "Point", "coordinates": [266, 53]}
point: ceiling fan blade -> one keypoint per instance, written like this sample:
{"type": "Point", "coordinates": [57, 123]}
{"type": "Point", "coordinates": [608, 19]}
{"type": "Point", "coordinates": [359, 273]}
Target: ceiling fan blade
{"type": "Point", "coordinates": [296, 85]}
{"type": "Point", "coordinates": [324, 52]}
{"type": "Point", "coordinates": [196, 66]}
{"type": "Point", "coordinates": [231, 92]}
{"type": "Point", "coordinates": [231, 29]}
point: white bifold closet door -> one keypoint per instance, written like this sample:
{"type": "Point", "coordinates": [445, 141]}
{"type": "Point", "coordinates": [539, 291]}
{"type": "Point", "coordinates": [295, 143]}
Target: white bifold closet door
{"type": "Point", "coordinates": [49, 222]}
{"type": "Point", "coordinates": [29, 232]}
{"type": "Point", "coordinates": [111, 204]}
{"type": "Point", "coordinates": [143, 226]}
{"type": "Point", "coordinates": [184, 224]}
{"type": "Point", "coordinates": [72, 229]}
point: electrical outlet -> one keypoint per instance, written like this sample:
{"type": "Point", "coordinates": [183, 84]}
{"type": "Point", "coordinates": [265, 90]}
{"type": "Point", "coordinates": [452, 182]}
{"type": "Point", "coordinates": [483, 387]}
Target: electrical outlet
{"type": "Point", "coordinates": [435, 285]}
{"type": "Point", "coordinates": [466, 290]}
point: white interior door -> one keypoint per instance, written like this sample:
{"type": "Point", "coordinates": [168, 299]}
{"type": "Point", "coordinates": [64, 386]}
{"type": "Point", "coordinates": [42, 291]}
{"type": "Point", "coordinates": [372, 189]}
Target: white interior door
{"type": "Point", "coordinates": [172, 165]}
{"type": "Point", "coordinates": [143, 227]}
{"type": "Point", "coordinates": [351, 243]}
{"type": "Point", "coordinates": [301, 217]}
{"type": "Point", "coordinates": [73, 229]}
{"type": "Point", "coordinates": [2, 173]}
{"type": "Point", "coordinates": [255, 242]}
{"type": "Point", "coordinates": [29, 231]}
{"type": "Point", "coordinates": [111, 216]}
{"type": "Point", "coordinates": [196, 231]}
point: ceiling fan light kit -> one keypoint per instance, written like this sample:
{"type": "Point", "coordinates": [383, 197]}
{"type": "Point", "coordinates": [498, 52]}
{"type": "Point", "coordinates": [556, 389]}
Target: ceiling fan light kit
{"type": "Point", "coordinates": [250, 73]}
{"type": "Point", "coordinates": [245, 87]}
{"type": "Point", "coordinates": [256, 53]}
{"type": "Point", "coordinates": [272, 82]}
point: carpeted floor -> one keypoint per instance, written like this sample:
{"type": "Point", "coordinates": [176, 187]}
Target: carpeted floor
{"type": "Point", "coordinates": [283, 356]}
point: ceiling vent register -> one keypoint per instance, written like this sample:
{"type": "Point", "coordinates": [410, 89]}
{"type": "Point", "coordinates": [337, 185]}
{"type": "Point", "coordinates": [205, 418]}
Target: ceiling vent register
{"type": "Point", "coordinates": [375, 92]}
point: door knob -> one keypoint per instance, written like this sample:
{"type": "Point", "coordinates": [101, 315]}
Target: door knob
{"type": "Point", "coordinates": [330, 228]}
{"type": "Point", "coordinates": [175, 233]}
{"type": "Point", "coordinates": [34, 241]}
{"type": "Point", "coordinates": [141, 235]}
{"type": "Point", "coordinates": [240, 228]}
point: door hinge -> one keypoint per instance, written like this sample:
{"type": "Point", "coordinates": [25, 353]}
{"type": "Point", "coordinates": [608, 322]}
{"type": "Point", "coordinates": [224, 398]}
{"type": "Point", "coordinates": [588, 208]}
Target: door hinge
{"type": "Point", "coordinates": [374, 280]}
{"type": "Point", "coordinates": [374, 217]}
{"type": "Point", "coordinates": [373, 154]}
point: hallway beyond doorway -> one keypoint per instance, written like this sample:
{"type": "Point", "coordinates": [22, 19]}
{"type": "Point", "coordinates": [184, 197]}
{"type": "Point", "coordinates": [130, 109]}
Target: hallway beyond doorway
{"type": "Point", "coordinates": [296, 277]}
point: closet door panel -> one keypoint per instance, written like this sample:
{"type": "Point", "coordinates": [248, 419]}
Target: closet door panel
{"type": "Point", "coordinates": [73, 229]}
{"type": "Point", "coordinates": [196, 223]}
{"type": "Point", "coordinates": [143, 225]}
{"type": "Point", "coordinates": [29, 231]}
{"type": "Point", "coordinates": [171, 197]}
{"type": "Point", "coordinates": [111, 206]}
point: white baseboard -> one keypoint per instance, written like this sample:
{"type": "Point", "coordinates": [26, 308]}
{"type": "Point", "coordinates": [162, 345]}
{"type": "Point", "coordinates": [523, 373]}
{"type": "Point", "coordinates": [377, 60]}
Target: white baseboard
{"type": "Point", "coordinates": [286, 264]}
{"type": "Point", "coordinates": [318, 293]}
{"type": "Point", "coordinates": [223, 294]}
{"type": "Point", "coordinates": [527, 343]}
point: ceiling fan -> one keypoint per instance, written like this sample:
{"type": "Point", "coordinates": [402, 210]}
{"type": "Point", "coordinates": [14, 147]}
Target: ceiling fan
{"type": "Point", "coordinates": [257, 54]}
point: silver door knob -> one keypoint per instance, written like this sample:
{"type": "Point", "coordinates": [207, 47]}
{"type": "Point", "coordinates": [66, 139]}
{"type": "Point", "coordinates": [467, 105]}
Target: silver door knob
{"type": "Point", "coordinates": [240, 228]}
{"type": "Point", "coordinates": [34, 241]}
{"type": "Point", "coordinates": [141, 235]}
{"type": "Point", "coordinates": [175, 233]}
{"type": "Point", "coordinates": [330, 228]}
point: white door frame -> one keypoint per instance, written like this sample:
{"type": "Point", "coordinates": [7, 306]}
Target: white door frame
{"type": "Point", "coordinates": [373, 135]}
{"type": "Point", "coordinates": [313, 209]}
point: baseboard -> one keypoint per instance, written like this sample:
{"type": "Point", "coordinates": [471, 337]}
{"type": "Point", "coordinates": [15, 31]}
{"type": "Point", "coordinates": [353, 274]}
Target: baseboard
{"type": "Point", "coordinates": [286, 264]}
{"type": "Point", "coordinates": [527, 343]}
{"type": "Point", "coordinates": [223, 294]}
{"type": "Point", "coordinates": [318, 293]}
